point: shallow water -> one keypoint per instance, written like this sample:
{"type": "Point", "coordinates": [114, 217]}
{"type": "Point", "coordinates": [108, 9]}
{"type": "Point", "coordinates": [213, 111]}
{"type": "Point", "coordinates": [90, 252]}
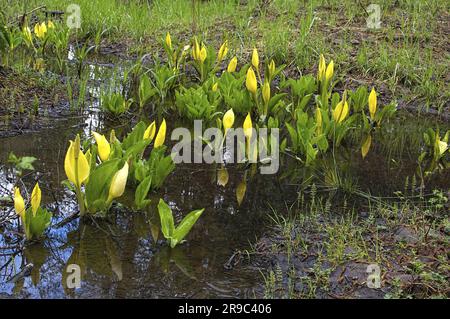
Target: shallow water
{"type": "Point", "coordinates": [123, 256]}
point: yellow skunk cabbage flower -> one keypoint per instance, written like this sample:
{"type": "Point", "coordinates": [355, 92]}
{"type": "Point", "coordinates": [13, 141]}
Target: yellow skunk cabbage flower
{"type": "Point", "coordinates": [366, 146]}
{"type": "Point", "coordinates": [372, 103]}
{"type": "Point", "coordinates": [228, 120]}
{"type": "Point", "coordinates": [104, 149]}
{"type": "Point", "coordinates": [161, 136]}
{"type": "Point", "coordinates": [27, 34]}
{"type": "Point", "coordinates": [341, 110]}
{"type": "Point", "coordinates": [118, 183]}
{"type": "Point", "coordinates": [223, 51]}
{"type": "Point", "coordinates": [168, 40]}
{"type": "Point", "coordinates": [36, 196]}
{"type": "Point", "coordinates": [248, 127]}
{"type": "Point", "coordinates": [266, 92]}
{"type": "Point", "coordinates": [214, 87]}
{"type": "Point", "coordinates": [150, 131]}
{"type": "Point", "coordinates": [271, 69]}
{"type": "Point", "coordinates": [75, 163]}
{"type": "Point", "coordinates": [203, 54]}
{"type": "Point", "coordinates": [19, 203]}
{"type": "Point", "coordinates": [50, 24]}
{"type": "Point", "coordinates": [250, 81]}
{"type": "Point", "coordinates": [40, 30]}
{"type": "Point", "coordinates": [232, 65]}
{"type": "Point", "coordinates": [330, 71]}
{"type": "Point", "coordinates": [322, 67]}
{"type": "Point", "coordinates": [196, 50]}
{"type": "Point", "coordinates": [255, 59]}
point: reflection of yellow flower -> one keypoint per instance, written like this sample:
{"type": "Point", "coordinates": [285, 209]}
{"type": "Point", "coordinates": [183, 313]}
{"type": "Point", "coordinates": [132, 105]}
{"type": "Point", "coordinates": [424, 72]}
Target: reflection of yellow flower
{"type": "Point", "coordinates": [222, 177]}
{"type": "Point", "coordinates": [232, 65]}
{"type": "Point", "coordinates": [40, 30]}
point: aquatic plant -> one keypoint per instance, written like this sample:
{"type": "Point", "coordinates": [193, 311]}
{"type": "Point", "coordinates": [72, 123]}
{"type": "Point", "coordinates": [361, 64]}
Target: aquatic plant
{"type": "Point", "coordinates": [175, 235]}
{"type": "Point", "coordinates": [35, 219]}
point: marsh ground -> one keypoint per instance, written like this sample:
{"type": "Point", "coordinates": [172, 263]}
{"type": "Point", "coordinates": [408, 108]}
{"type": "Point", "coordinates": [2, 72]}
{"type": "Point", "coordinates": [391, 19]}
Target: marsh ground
{"type": "Point", "coordinates": [299, 239]}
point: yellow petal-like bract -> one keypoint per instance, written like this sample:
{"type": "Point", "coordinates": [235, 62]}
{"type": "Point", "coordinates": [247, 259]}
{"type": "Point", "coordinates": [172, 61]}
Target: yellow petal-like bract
{"type": "Point", "coordinates": [248, 127]}
{"type": "Point", "coordinates": [161, 136]}
{"type": "Point", "coordinates": [19, 203]}
{"type": "Point", "coordinates": [322, 67]}
{"type": "Point", "coordinates": [150, 131]}
{"type": "Point", "coordinates": [255, 59]}
{"type": "Point", "coordinates": [222, 51]}
{"type": "Point", "coordinates": [203, 54]}
{"type": "Point", "coordinates": [40, 30]}
{"type": "Point", "coordinates": [341, 111]}
{"type": "Point", "coordinates": [250, 81]}
{"type": "Point", "coordinates": [272, 69]}
{"type": "Point", "coordinates": [214, 87]}
{"type": "Point", "coordinates": [168, 40]}
{"type": "Point", "coordinates": [228, 120]}
{"type": "Point", "coordinates": [318, 121]}
{"type": "Point", "coordinates": [232, 65]}
{"type": "Point", "coordinates": [330, 71]}
{"type": "Point", "coordinates": [70, 164]}
{"type": "Point", "coordinates": [118, 182]}
{"type": "Point", "coordinates": [36, 196]}
{"type": "Point", "coordinates": [104, 149]}
{"type": "Point", "coordinates": [372, 103]}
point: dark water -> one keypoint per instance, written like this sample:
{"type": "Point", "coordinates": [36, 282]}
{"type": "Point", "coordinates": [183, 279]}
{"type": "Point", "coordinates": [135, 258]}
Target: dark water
{"type": "Point", "coordinates": [123, 256]}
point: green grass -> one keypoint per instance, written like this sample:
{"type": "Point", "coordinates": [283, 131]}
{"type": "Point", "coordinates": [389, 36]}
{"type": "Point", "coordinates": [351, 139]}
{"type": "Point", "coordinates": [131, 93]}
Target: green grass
{"type": "Point", "coordinates": [408, 54]}
{"type": "Point", "coordinates": [316, 245]}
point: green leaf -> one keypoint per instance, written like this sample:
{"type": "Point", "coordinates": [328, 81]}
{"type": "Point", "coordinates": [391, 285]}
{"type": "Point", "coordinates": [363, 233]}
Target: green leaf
{"type": "Point", "coordinates": [142, 191]}
{"type": "Point", "coordinates": [185, 226]}
{"type": "Point", "coordinates": [165, 215]}
{"type": "Point", "coordinates": [97, 188]}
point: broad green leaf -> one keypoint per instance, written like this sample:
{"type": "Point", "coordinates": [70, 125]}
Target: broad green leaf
{"type": "Point", "coordinates": [142, 191]}
{"type": "Point", "coordinates": [165, 215]}
{"type": "Point", "coordinates": [97, 188]}
{"type": "Point", "coordinates": [185, 226]}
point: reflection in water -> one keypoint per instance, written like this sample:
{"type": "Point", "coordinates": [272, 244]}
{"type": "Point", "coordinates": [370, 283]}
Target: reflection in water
{"type": "Point", "coordinates": [125, 256]}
